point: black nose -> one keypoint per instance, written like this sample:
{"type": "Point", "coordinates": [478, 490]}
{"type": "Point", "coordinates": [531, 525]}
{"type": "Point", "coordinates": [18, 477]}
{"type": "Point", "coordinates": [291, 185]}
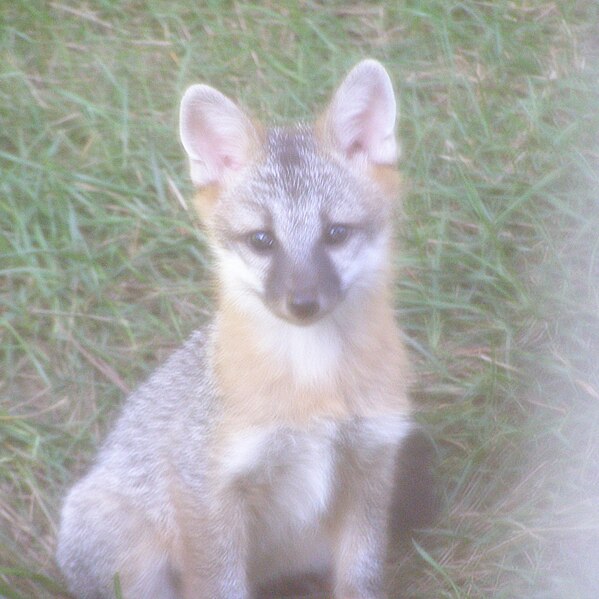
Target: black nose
{"type": "Point", "coordinates": [302, 306]}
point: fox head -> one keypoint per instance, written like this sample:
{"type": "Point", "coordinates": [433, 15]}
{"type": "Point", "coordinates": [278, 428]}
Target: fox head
{"type": "Point", "coordinates": [299, 217]}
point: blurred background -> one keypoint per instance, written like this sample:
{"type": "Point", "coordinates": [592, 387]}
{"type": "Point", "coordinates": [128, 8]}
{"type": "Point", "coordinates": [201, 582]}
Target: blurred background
{"type": "Point", "coordinates": [103, 269]}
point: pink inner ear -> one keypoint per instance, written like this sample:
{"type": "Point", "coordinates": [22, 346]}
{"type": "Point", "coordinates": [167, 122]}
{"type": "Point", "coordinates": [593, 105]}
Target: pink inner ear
{"type": "Point", "coordinates": [215, 134]}
{"type": "Point", "coordinates": [231, 163]}
{"type": "Point", "coordinates": [356, 147]}
{"type": "Point", "coordinates": [362, 115]}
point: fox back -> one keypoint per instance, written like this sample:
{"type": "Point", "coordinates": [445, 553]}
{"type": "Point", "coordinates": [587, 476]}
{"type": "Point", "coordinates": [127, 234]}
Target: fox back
{"type": "Point", "coordinates": [267, 446]}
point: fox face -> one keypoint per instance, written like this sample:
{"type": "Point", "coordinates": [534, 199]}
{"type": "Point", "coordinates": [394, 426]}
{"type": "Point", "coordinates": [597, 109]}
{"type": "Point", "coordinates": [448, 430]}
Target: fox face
{"type": "Point", "coordinates": [302, 227]}
{"type": "Point", "coordinates": [298, 221]}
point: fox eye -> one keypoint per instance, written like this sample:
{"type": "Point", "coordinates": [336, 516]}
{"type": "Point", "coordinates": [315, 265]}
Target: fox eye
{"type": "Point", "coordinates": [336, 234]}
{"type": "Point", "coordinates": [261, 241]}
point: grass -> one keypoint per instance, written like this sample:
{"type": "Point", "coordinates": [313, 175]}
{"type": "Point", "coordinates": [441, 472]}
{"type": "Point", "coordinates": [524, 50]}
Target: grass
{"type": "Point", "coordinates": [103, 271]}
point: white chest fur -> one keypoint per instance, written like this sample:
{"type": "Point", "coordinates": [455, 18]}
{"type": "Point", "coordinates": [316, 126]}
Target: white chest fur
{"type": "Point", "coordinates": [283, 472]}
{"type": "Point", "coordinates": [290, 478]}
{"type": "Point", "coordinates": [289, 475]}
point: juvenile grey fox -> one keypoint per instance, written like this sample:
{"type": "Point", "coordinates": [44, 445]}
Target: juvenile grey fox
{"type": "Point", "coordinates": [265, 447]}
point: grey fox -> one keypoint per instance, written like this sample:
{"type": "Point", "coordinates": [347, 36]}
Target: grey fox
{"type": "Point", "coordinates": [265, 447]}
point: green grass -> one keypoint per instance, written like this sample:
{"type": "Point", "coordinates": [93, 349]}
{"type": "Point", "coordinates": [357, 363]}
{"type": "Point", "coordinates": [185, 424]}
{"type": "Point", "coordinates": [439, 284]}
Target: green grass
{"type": "Point", "coordinates": [103, 272]}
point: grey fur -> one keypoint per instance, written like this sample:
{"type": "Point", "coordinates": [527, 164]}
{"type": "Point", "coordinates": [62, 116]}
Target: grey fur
{"type": "Point", "coordinates": [132, 471]}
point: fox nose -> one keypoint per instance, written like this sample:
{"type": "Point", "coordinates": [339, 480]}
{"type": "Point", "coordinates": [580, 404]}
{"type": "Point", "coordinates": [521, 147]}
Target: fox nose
{"type": "Point", "coordinates": [302, 305]}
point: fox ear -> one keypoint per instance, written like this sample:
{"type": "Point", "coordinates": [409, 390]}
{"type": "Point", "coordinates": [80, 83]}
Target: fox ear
{"type": "Point", "coordinates": [215, 133]}
{"type": "Point", "coordinates": [360, 120]}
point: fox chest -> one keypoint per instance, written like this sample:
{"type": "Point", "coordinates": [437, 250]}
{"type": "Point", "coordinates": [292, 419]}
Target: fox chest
{"type": "Point", "coordinates": [286, 474]}
{"type": "Point", "coordinates": [291, 477]}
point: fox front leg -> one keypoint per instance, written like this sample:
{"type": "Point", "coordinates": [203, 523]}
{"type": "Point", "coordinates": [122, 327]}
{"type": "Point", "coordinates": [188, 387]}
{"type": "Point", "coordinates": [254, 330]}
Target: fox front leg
{"type": "Point", "coordinates": [215, 552]}
{"type": "Point", "coordinates": [360, 554]}
{"type": "Point", "coordinates": [361, 532]}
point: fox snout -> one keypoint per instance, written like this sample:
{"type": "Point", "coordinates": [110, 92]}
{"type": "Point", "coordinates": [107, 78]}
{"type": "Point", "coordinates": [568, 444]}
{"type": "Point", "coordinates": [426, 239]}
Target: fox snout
{"type": "Point", "coordinates": [303, 304]}
{"type": "Point", "coordinates": [302, 293]}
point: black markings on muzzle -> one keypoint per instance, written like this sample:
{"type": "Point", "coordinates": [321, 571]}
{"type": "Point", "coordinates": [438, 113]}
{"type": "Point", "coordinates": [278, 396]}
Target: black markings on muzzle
{"type": "Point", "coordinates": [302, 289]}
